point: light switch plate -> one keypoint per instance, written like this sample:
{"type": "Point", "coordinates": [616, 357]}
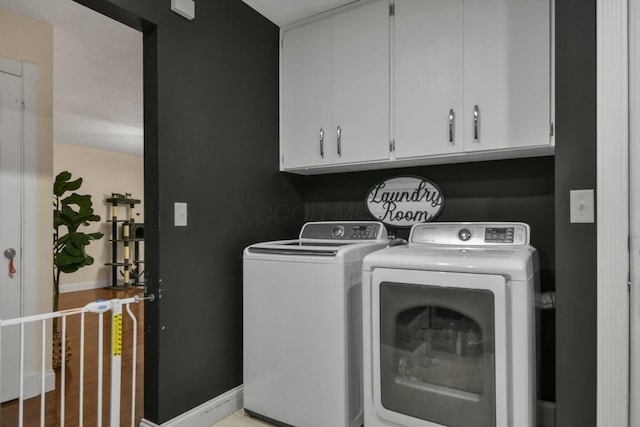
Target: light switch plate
{"type": "Point", "coordinates": [180, 214]}
{"type": "Point", "coordinates": [184, 8]}
{"type": "Point", "coordinates": [582, 206]}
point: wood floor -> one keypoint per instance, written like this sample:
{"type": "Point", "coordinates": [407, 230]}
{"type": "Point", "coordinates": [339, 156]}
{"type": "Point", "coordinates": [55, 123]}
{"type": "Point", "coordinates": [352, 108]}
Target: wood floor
{"type": "Point", "coordinates": [9, 410]}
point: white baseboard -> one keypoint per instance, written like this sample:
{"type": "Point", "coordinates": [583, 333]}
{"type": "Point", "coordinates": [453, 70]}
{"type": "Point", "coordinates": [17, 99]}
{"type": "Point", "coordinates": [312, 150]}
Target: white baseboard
{"type": "Point", "coordinates": [206, 414]}
{"type": "Point", "coordinates": [546, 416]}
{"type": "Point", "coordinates": [85, 286]}
{"type": "Point", "coordinates": [33, 382]}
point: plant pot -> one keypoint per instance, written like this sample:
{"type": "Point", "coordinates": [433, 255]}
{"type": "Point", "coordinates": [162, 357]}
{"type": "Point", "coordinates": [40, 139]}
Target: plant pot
{"type": "Point", "coordinates": [57, 350]}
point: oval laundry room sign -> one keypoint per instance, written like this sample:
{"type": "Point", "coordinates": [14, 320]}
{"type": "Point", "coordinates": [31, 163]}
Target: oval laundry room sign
{"type": "Point", "coordinates": [405, 200]}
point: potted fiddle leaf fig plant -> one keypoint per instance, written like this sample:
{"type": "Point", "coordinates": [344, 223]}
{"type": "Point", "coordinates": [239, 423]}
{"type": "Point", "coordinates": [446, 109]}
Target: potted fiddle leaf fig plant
{"type": "Point", "coordinates": [71, 212]}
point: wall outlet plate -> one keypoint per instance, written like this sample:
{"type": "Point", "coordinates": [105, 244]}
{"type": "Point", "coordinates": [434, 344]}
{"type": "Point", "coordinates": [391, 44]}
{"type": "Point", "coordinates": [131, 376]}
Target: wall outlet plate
{"type": "Point", "coordinates": [582, 206]}
{"type": "Point", "coordinates": [180, 214]}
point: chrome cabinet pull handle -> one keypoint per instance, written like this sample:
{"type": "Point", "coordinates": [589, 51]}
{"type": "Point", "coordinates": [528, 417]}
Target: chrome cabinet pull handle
{"type": "Point", "coordinates": [339, 140]}
{"type": "Point", "coordinates": [452, 120]}
{"type": "Point", "coordinates": [476, 124]}
{"type": "Point", "coordinates": [322, 143]}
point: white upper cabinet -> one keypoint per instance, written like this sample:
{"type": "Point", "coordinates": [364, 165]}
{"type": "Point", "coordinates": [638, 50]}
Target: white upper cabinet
{"type": "Point", "coordinates": [390, 83]}
{"type": "Point", "coordinates": [507, 74]}
{"type": "Point", "coordinates": [305, 96]}
{"type": "Point", "coordinates": [335, 89]}
{"type": "Point", "coordinates": [428, 78]}
{"type": "Point", "coordinates": [471, 75]}
{"type": "Point", "coordinates": [360, 65]}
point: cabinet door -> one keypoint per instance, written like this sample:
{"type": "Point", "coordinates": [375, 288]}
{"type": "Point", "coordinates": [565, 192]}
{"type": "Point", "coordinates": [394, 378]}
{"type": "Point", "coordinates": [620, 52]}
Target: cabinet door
{"type": "Point", "coordinates": [427, 77]}
{"type": "Point", "coordinates": [360, 71]}
{"type": "Point", "coordinates": [506, 73]}
{"type": "Point", "coordinates": [306, 95]}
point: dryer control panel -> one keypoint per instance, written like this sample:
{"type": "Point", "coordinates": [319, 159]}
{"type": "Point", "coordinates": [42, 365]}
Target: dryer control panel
{"type": "Point", "coordinates": [471, 234]}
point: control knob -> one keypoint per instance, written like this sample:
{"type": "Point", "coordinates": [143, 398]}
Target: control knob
{"type": "Point", "coordinates": [464, 234]}
{"type": "Point", "coordinates": [338, 231]}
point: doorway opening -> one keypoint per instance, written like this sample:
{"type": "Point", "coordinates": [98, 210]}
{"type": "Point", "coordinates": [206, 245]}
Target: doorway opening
{"type": "Point", "coordinates": [122, 161]}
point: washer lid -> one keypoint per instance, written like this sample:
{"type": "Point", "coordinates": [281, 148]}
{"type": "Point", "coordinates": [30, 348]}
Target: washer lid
{"type": "Point", "coordinates": [304, 252]}
{"type": "Point", "coordinates": [328, 241]}
{"type": "Point", "coordinates": [295, 247]}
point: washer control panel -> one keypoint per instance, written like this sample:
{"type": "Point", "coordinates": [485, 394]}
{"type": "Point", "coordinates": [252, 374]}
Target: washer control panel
{"type": "Point", "coordinates": [343, 231]}
{"type": "Point", "coordinates": [471, 234]}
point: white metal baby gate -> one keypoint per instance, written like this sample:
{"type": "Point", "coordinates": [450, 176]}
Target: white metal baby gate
{"type": "Point", "coordinates": [99, 308]}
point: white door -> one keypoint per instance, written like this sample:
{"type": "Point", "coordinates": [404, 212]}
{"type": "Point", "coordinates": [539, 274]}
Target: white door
{"type": "Point", "coordinates": [427, 77]}
{"type": "Point", "coordinates": [360, 79]}
{"type": "Point", "coordinates": [506, 74]}
{"type": "Point", "coordinates": [10, 226]}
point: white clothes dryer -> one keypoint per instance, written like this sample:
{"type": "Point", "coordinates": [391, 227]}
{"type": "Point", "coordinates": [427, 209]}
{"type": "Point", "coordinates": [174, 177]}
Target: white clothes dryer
{"type": "Point", "coordinates": [302, 325]}
{"type": "Point", "coordinates": [450, 328]}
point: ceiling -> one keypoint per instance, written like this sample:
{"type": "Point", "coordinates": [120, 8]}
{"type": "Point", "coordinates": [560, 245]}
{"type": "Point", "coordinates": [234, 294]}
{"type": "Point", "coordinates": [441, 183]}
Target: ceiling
{"type": "Point", "coordinates": [285, 12]}
{"type": "Point", "coordinates": [97, 76]}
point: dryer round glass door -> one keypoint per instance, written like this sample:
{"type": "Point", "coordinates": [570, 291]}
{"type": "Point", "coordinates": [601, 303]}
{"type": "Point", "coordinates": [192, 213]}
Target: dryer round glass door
{"type": "Point", "coordinates": [440, 357]}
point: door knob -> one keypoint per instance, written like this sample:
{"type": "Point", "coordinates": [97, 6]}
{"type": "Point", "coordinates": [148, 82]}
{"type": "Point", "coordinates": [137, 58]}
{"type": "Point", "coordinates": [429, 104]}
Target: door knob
{"type": "Point", "coordinates": [10, 254]}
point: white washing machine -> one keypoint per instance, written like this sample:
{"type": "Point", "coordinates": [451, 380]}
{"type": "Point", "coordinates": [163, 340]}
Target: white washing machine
{"type": "Point", "coordinates": [450, 328]}
{"type": "Point", "coordinates": [302, 325]}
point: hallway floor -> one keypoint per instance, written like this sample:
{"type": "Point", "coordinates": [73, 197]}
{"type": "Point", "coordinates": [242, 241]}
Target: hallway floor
{"type": "Point", "coordinates": [9, 410]}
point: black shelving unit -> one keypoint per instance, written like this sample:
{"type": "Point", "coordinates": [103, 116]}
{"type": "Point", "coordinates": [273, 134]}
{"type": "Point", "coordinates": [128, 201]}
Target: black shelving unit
{"type": "Point", "coordinates": [130, 267]}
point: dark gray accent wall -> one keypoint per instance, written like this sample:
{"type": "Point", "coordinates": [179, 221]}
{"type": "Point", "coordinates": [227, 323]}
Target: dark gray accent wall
{"type": "Point", "coordinates": [211, 140]}
{"type": "Point", "coordinates": [575, 243]}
